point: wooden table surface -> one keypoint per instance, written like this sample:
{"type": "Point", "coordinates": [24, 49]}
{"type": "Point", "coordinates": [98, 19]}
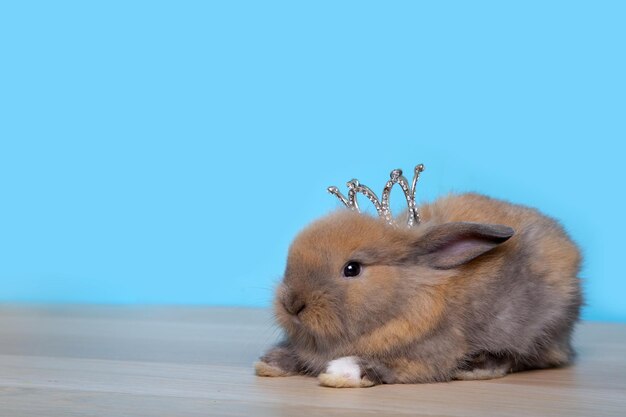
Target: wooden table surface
{"type": "Point", "coordinates": [169, 361]}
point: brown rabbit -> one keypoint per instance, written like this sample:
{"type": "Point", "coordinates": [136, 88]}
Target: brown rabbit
{"type": "Point", "coordinates": [479, 289]}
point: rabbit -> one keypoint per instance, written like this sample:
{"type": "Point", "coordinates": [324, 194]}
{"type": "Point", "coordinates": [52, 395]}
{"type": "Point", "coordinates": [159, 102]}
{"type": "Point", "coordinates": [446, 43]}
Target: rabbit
{"type": "Point", "coordinates": [480, 288]}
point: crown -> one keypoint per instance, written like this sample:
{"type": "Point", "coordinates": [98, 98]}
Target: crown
{"type": "Point", "coordinates": [382, 205]}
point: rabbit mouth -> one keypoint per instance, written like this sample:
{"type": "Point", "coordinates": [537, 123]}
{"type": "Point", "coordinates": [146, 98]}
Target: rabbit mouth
{"type": "Point", "coordinates": [298, 317]}
{"type": "Point", "coordinates": [309, 313]}
{"type": "Point", "coordinates": [295, 319]}
{"type": "Point", "coordinates": [289, 318]}
{"type": "Point", "coordinates": [298, 321]}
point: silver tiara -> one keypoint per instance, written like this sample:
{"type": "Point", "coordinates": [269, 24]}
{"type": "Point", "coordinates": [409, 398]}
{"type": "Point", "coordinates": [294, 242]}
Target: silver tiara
{"type": "Point", "coordinates": [382, 206]}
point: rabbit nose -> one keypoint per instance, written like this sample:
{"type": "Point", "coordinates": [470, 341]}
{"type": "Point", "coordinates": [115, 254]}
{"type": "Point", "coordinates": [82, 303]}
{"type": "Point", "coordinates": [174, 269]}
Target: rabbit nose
{"type": "Point", "coordinates": [294, 304]}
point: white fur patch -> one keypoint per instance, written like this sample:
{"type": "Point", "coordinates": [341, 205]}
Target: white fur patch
{"type": "Point", "coordinates": [346, 367]}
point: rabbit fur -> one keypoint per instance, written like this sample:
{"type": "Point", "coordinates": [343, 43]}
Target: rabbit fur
{"type": "Point", "coordinates": [480, 288]}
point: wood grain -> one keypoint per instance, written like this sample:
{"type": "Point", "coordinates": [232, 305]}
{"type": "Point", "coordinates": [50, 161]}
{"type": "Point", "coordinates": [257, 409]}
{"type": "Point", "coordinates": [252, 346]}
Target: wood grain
{"type": "Point", "coordinates": [152, 361]}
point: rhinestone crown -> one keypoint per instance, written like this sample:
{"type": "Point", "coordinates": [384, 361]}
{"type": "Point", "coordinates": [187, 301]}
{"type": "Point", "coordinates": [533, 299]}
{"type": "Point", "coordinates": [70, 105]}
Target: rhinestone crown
{"type": "Point", "coordinates": [382, 205]}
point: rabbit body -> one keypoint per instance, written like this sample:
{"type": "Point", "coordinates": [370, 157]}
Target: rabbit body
{"type": "Point", "coordinates": [480, 288]}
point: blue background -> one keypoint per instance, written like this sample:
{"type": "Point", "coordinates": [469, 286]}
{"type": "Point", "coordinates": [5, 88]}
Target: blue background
{"type": "Point", "coordinates": [167, 152]}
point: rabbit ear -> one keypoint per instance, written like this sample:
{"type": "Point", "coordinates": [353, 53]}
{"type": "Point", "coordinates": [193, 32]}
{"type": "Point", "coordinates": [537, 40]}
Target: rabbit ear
{"type": "Point", "coordinates": [453, 244]}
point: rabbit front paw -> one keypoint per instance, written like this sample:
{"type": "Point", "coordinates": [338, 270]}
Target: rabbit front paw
{"type": "Point", "coordinates": [278, 361]}
{"type": "Point", "coordinates": [344, 372]}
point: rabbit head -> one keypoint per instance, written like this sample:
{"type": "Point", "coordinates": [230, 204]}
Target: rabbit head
{"type": "Point", "coordinates": [349, 273]}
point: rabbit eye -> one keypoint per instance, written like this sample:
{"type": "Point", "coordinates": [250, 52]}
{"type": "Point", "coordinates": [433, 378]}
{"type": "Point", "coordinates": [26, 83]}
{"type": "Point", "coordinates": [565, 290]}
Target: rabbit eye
{"type": "Point", "coordinates": [352, 269]}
